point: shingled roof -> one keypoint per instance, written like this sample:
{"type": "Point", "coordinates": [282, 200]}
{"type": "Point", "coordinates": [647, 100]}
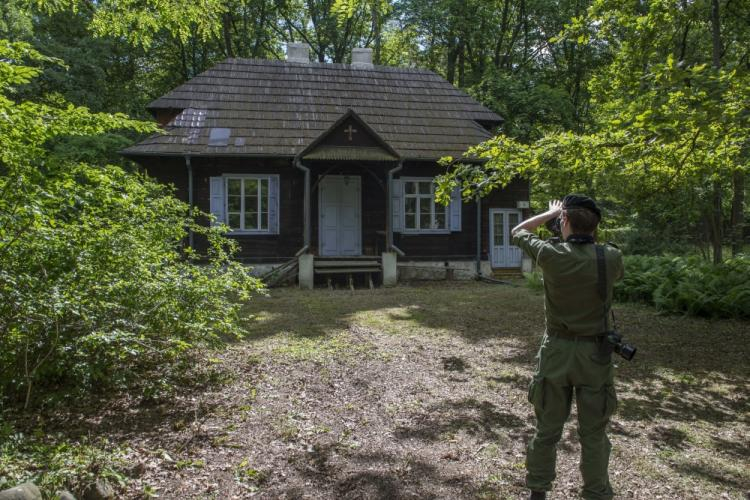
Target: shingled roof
{"type": "Point", "coordinates": [278, 108]}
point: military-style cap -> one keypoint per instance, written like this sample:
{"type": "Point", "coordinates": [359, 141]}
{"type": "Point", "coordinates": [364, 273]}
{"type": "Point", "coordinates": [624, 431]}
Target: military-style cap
{"type": "Point", "coordinates": [580, 201]}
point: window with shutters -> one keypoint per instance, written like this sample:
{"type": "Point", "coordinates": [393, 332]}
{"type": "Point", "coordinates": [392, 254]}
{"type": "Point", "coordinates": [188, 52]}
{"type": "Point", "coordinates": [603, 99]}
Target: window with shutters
{"type": "Point", "coordinates": [247, 201]}
{"type": "Point", "coordinates": [421, 212]}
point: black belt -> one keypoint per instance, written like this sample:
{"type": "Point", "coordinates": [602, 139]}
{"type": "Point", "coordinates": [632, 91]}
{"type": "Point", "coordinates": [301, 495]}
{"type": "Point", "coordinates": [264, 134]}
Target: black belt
{"type": "Point", "coordinates": [573, 336]}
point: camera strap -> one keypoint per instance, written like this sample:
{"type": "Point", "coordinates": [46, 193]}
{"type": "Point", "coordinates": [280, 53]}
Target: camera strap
{"type": "Point", "coordinates": [601, 284]}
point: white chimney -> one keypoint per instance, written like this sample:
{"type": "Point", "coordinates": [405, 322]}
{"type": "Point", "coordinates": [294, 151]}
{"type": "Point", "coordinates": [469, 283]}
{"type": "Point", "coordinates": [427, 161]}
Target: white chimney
{"type": "Point", "coordinates": [362, 58]}
{"type": "Point", "coordinates": [298, 52]}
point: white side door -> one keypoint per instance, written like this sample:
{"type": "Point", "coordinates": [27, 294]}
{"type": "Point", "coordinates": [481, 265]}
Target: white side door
{"type": "Point", "coordinates": [340, 225]}
{"type": "Point", "coordinates": [502, 252]}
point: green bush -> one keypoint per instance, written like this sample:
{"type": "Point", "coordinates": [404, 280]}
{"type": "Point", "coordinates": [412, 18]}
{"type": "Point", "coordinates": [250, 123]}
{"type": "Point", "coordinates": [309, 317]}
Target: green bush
{"type": "Point", "coordinates": [534, 280]}
{"type": "Point", "coordinates": [688, 285]}
{"type": "Point", "coordinates": [96, 286]}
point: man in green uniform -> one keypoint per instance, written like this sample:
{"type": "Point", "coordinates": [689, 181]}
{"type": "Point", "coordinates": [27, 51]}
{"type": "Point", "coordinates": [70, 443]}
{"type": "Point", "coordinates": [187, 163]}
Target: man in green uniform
{"type": "Point", "coordinates": [569, 360]}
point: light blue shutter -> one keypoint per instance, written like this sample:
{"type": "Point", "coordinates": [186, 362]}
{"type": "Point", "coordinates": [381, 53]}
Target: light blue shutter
{"type": "Point", "coordinates": [273, 204]}
{"type": "Point", "coordinates": [217, 199]}
{"type": "Point", "coordinates": [455, 209]}
{"type": "Point", "coordinates": [396, 195]}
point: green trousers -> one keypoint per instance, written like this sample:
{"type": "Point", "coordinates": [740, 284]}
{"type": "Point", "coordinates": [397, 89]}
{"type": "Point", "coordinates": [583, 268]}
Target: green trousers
{"type": "Point", "coordinates": [566, 368]}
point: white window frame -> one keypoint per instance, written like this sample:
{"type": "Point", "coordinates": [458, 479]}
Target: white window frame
{"type": "Point", "coordinates": [404, 229]}
{"type": "Point", "coordinates": [244, 177]}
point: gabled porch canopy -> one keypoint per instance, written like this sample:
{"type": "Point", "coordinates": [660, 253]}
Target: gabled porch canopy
{"type": "Point", "coordinates": [348, 139]}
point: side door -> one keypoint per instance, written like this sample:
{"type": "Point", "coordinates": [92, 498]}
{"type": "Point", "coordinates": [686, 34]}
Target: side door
{"type": "Point", "coordinates": [502, 252]}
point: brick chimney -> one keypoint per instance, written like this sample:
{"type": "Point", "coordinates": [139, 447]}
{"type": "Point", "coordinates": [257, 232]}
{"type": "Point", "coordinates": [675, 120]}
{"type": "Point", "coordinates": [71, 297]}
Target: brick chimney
{"type": "Point", "coordinates": [362, 58]}
{"type": "Point", "coordinates": [298, 52]}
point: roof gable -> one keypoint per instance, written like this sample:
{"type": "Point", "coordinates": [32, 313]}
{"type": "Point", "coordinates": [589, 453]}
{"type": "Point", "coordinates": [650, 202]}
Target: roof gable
{"type": "Point", "coordinates": [349, 138]}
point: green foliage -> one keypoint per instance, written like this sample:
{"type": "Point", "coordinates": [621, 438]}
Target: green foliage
{"type": "Point", "coordinates": [668, 127]}
{"type": "Point", "coordinates": [688, 285]}
{"type": "Point", "coordinates": [54, 463]}
{"type": "Point", "coordinates": [95, 285]}
{"type": "Point", "coordinates": [529, 107]}
{"type": "Point", "coordinates": [534, 281]}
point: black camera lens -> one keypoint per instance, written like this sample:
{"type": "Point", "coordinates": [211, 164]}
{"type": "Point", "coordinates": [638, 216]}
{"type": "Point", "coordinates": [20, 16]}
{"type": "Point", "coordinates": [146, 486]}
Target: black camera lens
{"type": "Point", "coordinates": [627, 351]}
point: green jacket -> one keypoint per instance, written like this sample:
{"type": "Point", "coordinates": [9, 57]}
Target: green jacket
{"type": "Point", "coordinates": [571, 302]}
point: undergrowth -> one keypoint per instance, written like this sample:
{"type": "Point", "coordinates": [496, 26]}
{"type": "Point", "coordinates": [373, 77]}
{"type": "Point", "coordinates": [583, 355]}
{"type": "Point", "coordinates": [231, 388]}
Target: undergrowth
{"type": "Point", "coordinates": [55, 463]}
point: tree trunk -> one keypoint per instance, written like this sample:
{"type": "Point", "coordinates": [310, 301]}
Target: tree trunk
{"type": "Point", "coordinates": [716, 60]}
{"type": "Point", "coordinates": [450, 68]}
{"type": "Point", "coordinates": [226, 24]}
{"type": "Point", "coordinates": [716, 224]}
{"type": "Point", "coordinates": [738, 212]}
{"type": "Point", "coordinates": [376, 31]}
{"type": "Point", "coordinates": [461, 63]}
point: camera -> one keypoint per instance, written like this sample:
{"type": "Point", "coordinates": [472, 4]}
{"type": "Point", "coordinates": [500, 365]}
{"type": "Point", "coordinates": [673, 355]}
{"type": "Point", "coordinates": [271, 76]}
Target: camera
{"type": "Point", "coordinates": [624, 349]}
{"type": "Point", "coordinates": [553, 225]}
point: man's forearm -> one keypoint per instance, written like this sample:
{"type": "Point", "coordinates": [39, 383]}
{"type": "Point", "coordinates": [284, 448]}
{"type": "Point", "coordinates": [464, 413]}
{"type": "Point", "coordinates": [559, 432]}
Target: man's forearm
{"type": "Point", "coordinates": [536, 221]}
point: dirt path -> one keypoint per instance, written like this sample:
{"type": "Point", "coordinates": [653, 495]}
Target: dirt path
{"type": "Point", "coordinates": [420, 392]}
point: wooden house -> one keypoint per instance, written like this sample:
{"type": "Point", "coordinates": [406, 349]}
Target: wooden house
{"type": "Point", "coordinates": [332, 161]}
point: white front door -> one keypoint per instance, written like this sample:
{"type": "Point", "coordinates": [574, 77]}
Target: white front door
{"type": "Point", "coordinates": [340, 229]}
{"type": "Point", "coordinates": [503, 253]}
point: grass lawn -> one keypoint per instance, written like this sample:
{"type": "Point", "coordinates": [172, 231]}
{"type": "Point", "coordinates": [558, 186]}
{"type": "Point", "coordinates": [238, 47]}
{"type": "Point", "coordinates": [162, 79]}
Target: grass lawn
{"type": "Point", "coordinates": [420, 392]}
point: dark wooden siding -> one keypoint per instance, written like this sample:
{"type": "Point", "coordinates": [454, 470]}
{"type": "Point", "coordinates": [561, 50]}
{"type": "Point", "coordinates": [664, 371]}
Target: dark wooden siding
{"type": "Point", "coordinates": [276, 248]}
{"type": "Point", "coordinates": [260, 248]}
{"type": "Point", "coordinates": [462, 244]}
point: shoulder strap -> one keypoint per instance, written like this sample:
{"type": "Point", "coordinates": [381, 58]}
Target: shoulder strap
{"type": "Point", "coordinates": [601, 283]}
{"type": "Point", "coordinates": [601, 272]}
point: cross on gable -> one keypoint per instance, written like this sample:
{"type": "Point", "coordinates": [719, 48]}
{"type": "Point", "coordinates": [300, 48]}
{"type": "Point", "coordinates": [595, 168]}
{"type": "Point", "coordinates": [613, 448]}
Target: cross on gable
{"type": "Point", "coordinates": [350, 130]}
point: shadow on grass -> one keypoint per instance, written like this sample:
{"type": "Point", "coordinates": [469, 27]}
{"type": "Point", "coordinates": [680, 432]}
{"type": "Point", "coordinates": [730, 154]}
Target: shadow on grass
{"type": "Point", "coordinates": [713, 473]}
{"type": "Point", "coordinates": [465, 309]}
{"type": "Point", "coordinates": [480, 419]}
{"type": "Point", "coordinates": [381, 475]}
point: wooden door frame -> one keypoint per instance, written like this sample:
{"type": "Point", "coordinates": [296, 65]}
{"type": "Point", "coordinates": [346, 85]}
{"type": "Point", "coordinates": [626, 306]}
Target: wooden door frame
{"type": "Point", "coordinates": [320, 181]}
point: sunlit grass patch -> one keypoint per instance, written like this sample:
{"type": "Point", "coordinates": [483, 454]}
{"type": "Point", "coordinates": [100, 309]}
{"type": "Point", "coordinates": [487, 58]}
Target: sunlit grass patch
{"type": "Point", "coordinates": [338, 344]}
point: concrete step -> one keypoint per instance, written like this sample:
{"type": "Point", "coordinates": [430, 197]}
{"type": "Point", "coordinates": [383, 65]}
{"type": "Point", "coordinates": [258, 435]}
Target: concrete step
{"type": "Point", "coordinates": [345, 263]}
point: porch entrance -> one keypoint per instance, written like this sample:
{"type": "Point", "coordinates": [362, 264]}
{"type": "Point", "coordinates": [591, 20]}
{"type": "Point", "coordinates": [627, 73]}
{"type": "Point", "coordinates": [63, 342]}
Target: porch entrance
{"type": "Point", "coordinates": [340, 221]}
{"type": "Point", "coordinates": [502, 252]}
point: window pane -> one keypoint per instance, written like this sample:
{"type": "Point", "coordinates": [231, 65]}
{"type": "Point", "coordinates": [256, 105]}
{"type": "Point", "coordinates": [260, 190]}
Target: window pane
{"type": "Point", "coordinates": [424, 221]}
{"type": "Point", "coordinates": [251, 187]}
{"type": "Point", "coordinates": [264, 221]}
{"type": "Point", "coordinates": [410, 221]}
{"type": "Point", "coordinates": [425, 187]}
{"type": "Point", "coordinates": [410, 187]}
{"type": "Point", "coordinates": [234, 186]}
{"type": "Point", "coordinates": [410, 205]}
{"type": "Point", "coordinates": [251, 220]}
{"type": "Point", "coordinates": [512, 220]}
{"type": "Point", "coordinates": [498, 229]}
{"type": "Point", "coordinates": [233, 220]}
{"type": "Point", "coordinates": [233, 203]}
{"type": "Point", "coordinates": [424, 206]}
{"type": "Point", "coordinates": [440, 220]}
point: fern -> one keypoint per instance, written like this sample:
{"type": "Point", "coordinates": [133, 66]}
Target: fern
{"type": "Point", "coordinates": [688, 285]}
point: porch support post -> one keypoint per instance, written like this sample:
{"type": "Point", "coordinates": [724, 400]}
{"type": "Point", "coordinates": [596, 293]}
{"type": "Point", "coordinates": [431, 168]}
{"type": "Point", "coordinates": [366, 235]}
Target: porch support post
{"type": "Point", "coordinates": [306, 271]}
{"type": "Point", "coordinates": [189, 167]}
{"type": "Point", "coordinates": [390, 269]}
